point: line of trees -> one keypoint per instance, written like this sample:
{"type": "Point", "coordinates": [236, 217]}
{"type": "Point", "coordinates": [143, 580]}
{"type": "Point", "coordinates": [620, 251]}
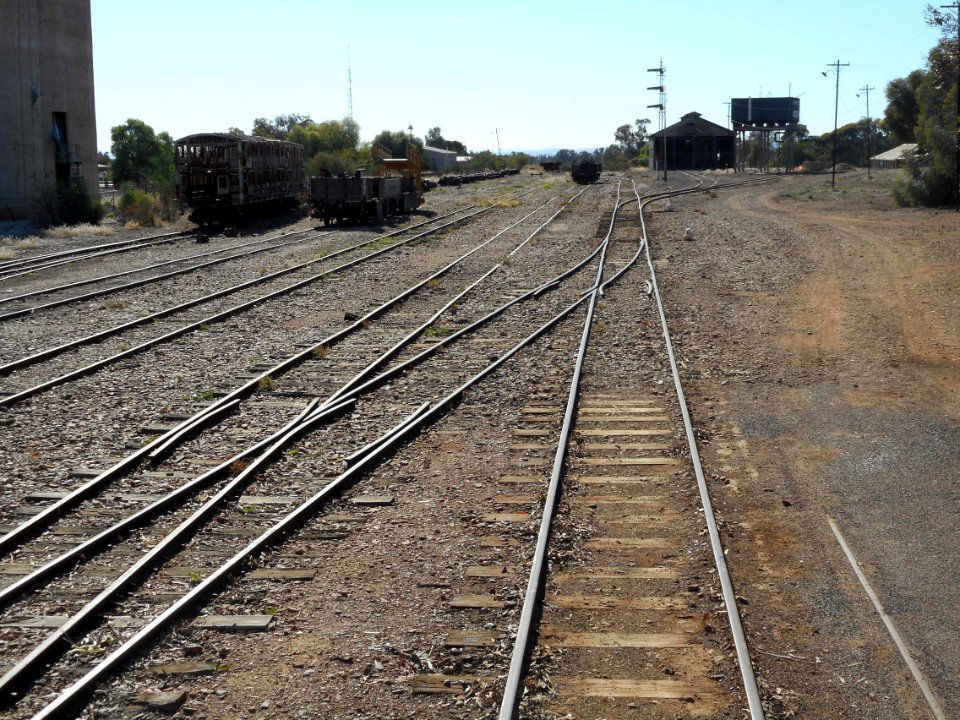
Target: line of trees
{"type": "Point", "coordinates": [922, 108]}
{"type": "Point", "coordinates": [142, 162]}
{"type": "Point", "coordinates": [631, 148]}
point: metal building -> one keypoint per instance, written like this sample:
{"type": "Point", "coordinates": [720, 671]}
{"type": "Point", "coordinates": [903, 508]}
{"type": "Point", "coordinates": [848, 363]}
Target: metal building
{"type": "Point", "coordinates": [693, 144]}
{"type": "Point", "coordinates": [440, 160]}
{"type": "Point", "coordinates": [48, 132]}
{"type": "Point", "coordinates": [892, 159]}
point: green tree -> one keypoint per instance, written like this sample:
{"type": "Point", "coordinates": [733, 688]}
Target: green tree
{"type": "Point", "coordinates": [903, 112]}
{"type": "Point", "coordinates": [140, 155]}
{"type": "Point", "coordinates": [631, 138]}
{"type": "Point", "coordinates": [433, 137]}
{"type": "Point", "coordinates": [396, 142]}
{"type": "Point", "coordinates": [930, 175]}
{"type": "Point", "coordinates": [280, 127]}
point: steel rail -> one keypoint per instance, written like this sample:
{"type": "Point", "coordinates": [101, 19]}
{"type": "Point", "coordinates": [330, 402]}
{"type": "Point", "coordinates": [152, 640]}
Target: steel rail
{"type": "Point", "coordinates": [144, 281]}
{"type": "Point", "coordinates": [78, 258]}
{"type": "Point", "coordinates": [59, 640]}
{"type": "Point", "coordinates": [24, 672]}
{"type": "Point", "coordinates": [392, 352]}
{"type": "Point", "coordinates": [511, 695]}
{"type": "Point", "coordinates": [38, 357]}
{"type": "Point", "coordinates": [38, 523]}
{"type": "Point", "coordinates": [17, 262]}
{"type": "Point", "coordinates": [534, 593]}
{"type": "Point", "coordinates": [729, 596]}
{"type": "Point", "coordinates": [17, 397]}
{"type": "Point", "coordinates": [45, 518]}
{"type": "Point", "coordinates": [407, 426]}
{"type": "Point", "coordinates": [164, 276]}
{"type": "Point", "coordinates": [65, 704]}
{"type": "Point", "coordinates": [88, 548]}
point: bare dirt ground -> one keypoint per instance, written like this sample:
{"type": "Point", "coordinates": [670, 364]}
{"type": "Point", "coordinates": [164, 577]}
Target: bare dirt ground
{"type": "Point", "coordinates": [820, 336]}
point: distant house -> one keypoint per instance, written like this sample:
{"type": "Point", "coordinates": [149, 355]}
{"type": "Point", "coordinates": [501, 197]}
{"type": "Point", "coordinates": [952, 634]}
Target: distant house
{"type": "Point", "coordinates": [892, 159]}
{"type": "Point", "coordinates": [440, 160]}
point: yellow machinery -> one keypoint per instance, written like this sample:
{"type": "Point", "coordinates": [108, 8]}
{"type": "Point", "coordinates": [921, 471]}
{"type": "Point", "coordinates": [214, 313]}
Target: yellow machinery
{"type": "Point", "coordinates": [388, 166]}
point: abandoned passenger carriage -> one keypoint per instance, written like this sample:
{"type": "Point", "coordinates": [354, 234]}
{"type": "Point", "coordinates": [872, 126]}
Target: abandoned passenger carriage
{"type": "Point", "coordinates": [223, 176]}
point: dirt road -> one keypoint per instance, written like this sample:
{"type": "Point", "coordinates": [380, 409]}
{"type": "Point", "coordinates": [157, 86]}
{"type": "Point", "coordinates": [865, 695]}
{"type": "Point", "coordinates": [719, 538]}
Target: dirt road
{"type": "Point", "coordinates": [821, 337]}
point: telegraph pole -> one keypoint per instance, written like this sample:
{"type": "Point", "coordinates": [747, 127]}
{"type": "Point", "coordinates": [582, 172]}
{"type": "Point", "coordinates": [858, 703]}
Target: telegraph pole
{"type": "Point", "coordinates": [866, 91]}
{"type": "Point", "coordinates": [956, 8]}
{"type": "Point", "coordinates": [836, 109]}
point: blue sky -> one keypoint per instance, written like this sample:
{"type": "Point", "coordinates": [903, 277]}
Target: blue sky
{"type": "Point", "coordinates": [538, 74]}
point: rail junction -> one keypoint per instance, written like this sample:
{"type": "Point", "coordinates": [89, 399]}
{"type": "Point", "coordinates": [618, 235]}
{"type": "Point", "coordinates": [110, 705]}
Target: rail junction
{"type": "Point", "coordinates": [445, 469]}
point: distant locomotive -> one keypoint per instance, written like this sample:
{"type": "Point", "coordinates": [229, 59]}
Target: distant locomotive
{"type": "Point", "coordinates": [223, 176]}
{"type": "Point", "coordinates": [586, 172]}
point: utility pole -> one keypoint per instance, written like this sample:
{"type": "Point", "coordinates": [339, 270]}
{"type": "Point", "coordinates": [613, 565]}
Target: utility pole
{"type": "Point", "coordinates": [866, 91]}
{"type": "Point", "coordinates": [836, 109]}
{"type": "Point", "coordinates": [662, 111]}
{"type": "Point", "coordinates": [956, 8]}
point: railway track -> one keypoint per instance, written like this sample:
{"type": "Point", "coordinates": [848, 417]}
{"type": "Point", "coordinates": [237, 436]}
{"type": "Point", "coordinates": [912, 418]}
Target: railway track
{"type": "Point", "coordinates": [269, 490]}
{"type": "Point", "coordinates": [10, 269]}
{"type": "Point", "coordinates": [134, 496]}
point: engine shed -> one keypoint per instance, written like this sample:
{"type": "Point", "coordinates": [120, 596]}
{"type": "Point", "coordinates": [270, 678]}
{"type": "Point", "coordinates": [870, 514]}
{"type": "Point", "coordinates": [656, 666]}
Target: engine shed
{"type": "Point", "coordinates": [693, 144]}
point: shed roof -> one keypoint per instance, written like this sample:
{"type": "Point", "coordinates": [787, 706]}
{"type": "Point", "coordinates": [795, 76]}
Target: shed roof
{"type": "Point", "coordinates": [693, 124]}
{"type": "Point", "coordinates": [438, 151]}
{"type": "Point", "coordinates": [897, 153]}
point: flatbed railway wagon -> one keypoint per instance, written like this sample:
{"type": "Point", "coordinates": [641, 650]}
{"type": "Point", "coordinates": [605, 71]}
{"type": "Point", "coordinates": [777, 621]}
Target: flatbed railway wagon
{"type": "Point", "coordinates": [360, 199]}
{"type": "Point", "coordinates": [397, 188]}
{"type": "Point", "coordinates": [225, 177]}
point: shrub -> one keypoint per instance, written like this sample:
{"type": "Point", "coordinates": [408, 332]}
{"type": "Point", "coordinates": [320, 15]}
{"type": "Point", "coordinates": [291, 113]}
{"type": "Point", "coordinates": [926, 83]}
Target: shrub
{"type": "Point", "coordinates": [137, 206]}
{"type": "Point", "coordinates": [68, 204]}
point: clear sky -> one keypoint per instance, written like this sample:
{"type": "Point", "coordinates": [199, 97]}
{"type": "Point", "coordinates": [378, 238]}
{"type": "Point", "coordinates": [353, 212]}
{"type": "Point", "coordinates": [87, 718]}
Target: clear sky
{"type": "Point", "coordinates": [538, 74]}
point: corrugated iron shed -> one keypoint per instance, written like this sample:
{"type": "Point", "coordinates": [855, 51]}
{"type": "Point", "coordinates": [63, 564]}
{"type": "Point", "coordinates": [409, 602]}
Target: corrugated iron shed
{"type": "Point", "coordinates": [694, 144]}
{"type": "Point", "coordinates": [693, 122]}
{"type": "Point", "coordinates": [894, 157]}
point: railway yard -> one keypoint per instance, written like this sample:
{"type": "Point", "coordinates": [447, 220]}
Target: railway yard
{"type": "Point", "coordinates": [445, 467]}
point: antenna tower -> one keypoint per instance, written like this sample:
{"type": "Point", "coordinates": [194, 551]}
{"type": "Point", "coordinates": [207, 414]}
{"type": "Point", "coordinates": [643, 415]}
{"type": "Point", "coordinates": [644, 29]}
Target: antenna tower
{"type": "Point", "coordinates": [349, 87]}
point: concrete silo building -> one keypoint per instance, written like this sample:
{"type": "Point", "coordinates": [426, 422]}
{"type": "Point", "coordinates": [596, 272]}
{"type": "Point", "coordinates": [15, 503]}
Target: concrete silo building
{"type": "Point", "coordinates": [48, 131]}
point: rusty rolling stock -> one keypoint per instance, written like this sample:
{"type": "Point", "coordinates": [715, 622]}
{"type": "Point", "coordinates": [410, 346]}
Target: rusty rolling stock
{"type": "Point", "coordinates": [224, 176]}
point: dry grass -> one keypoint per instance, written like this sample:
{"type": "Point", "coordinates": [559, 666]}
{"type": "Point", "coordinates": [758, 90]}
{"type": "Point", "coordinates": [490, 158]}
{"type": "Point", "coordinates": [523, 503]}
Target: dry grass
{"type": "Point", "coordinates": [504, 202]}
{"type": "Point", "coordinates": [7, 253]}
{"type": "Point", "coordinates": [77, 231]}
